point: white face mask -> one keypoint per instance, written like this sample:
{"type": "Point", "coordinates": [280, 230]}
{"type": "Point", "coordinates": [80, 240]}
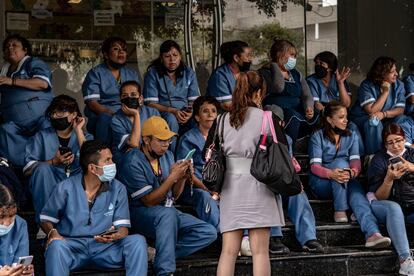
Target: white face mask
{"type": "Point", "coordinates": [4, 230]}
{"type": "Point", "coordinates": [290, 64]}
{"type": "Point", "coordinates": [109, 172]}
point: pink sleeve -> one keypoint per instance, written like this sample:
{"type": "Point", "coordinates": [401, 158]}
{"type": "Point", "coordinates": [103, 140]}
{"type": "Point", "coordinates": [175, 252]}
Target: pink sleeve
{"type": "Point", "coordinates": [355, 166]}
{"type": "Point", "coordinates": [320, 171]}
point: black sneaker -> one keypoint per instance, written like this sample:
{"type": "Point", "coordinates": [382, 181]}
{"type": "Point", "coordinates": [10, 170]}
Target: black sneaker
{"type": "Point", "coordinates": [313, 246]}
{"type": "Point", "coordinates": [277, 247]}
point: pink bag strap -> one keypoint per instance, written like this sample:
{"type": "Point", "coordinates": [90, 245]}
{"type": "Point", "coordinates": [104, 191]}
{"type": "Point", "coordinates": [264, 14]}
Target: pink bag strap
{"type": "Point", "coordinates": [272, 127]}
{"type": "Point", "coordinates": [267, 119]}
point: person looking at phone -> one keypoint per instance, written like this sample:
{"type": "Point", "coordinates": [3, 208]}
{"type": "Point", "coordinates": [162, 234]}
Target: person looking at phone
{"type": "Point", "coordinates": [80, 214]}
{"type": "Point", "coordinates": [391, 192]}
{"type": "Point", "coordinates": [127, 121]}
{"type": "Point", "coordinates": [196, 194]}
{"type": "Point", "coordinates": [171, 87]}
{"type": "Point", "coordinates": [381, 100]}
{"type": "Point", "coordinates": [53, 153]}
{"type": "Point", "coordinates": [14, 238]}
{"type": "Point", "coordinates": [154, 182]}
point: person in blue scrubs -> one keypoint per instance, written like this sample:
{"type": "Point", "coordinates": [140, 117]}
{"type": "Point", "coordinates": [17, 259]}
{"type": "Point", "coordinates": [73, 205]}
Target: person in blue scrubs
{"type": "Point", "coordinates": [79, 212]}
{"type": "Point", "coordinates": [26, 92]}
{"type": "Point", "coordinates": [197, 195]}
{"type": "Point", "coordinates": [381, 100]}
{"type": "Point", "coordinates": [237, 56]}
{"type": "Point", "coordinates": [335, 163]}
{"type": "Point", "coordinates": [288, 89]}
{"type": "Point", "coordinates": [385, 181]}
{"type": "Point", "coordinates": [14, 238]}
{"type": "Point", "coordinates": [127, 121]}
{"type": "Point", "coordinates": [329, 84]}
{"type": "Point", "coordinates": [52, 154]}
{"type": "Point", "coordinates": [171, 87]}
{"type": "Point", "coordinates": [154, 182]}
{"type": "Point", "coordinates": [101, 87]}
{"type": "Point", "coordinates": [299, 211]}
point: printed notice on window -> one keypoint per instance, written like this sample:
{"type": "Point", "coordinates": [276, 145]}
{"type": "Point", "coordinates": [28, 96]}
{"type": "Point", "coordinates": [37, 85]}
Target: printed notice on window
{"type": "Point", "coordinates": [17, 21]}
{"type": "Point", "coordinates": [103, 18]}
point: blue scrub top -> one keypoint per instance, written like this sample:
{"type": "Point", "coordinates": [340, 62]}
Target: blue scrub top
{"type": "Point", "coordinates": [368, 93]}
{"type": "Point", "coordinates": [324, 94]}
{"type": "Point", "coordinates": [14, 244]}
{"type": "Point", "coordinates": [121, 126]}
{"type": "Point", "coordinates": [68, 208]}
{"type": "Point", "coordinates": [186, 89]}
{"type": "Point", "coordinates": [136, 172]}
{"type": "Point", "coordinates": [409, 91]}
{"type": "Point", "coordinates": [101, 86]}
{"type": "Point", "coordinates": [323, 152]}
{"type": "Point", "coordinates": [192, 139]}
{"type": "Point", "coordinates": [44, 145]}
{"type": "Point", "coordinates": [16, 99]}
{"type": "Point", "coordinates": [291, 96]}
{"type": "Point", "coordinates": [221, 84]}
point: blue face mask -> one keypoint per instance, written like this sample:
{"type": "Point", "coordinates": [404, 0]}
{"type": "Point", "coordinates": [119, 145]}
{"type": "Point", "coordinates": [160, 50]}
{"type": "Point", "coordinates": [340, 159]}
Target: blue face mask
{"type": "Point", "coordinates": [374, 121]}
{"type": "Point", "coordinates": [290, 64]}
{"type": "Point", "coordinates": [4, 230]}
{"type": "Point", "coordinates": [109, 172]}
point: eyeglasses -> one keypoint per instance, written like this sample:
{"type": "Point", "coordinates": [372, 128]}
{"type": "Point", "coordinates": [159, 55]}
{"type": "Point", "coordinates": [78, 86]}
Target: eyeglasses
{"type": "Point", "coordinates": [164, 142]}
{"type": "Point", "coordinates": [396, 141]}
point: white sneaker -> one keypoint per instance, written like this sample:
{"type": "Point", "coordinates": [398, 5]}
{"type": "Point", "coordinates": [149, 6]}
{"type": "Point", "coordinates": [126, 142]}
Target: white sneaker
{"type": "Point", "coordinates": [407, 267]}
{"type": "Point", "coordinates": [245, 247]}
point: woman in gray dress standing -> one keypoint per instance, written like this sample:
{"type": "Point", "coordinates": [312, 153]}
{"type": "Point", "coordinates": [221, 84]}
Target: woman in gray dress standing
{"type": "Point", "coordinates": [245, 203]}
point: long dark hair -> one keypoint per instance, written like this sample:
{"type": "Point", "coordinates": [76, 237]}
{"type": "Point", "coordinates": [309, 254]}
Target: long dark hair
{"type": "Point", "coordinates": [329, 111]}
{"type": "Point", "coordinates": [246, 86]}
{"type": "Point", "coordinates": [381, 67]}
{"type": "Point", "coordinates": [165, 47]}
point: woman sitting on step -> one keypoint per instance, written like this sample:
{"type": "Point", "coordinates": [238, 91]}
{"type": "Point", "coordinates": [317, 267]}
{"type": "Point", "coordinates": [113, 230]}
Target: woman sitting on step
{"type": "Point", "coordinates": [391, 179]}
{"type": "Point", "coordinates": [14, 238]}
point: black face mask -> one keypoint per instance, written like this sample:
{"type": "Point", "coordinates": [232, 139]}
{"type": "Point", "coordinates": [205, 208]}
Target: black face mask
{"type": "Point", "coordinates": [154, 155]}
{"type": "Point", "coordinates": [115, 65]}
{"type": "Point", "coordinates": [339, 131]}
{"type": "Point", "coordinates": [60, 123]}
{"type": "Point", "coordinates": [320, 71]}
{"type": "Point", "coordinates": [131, 102]}
{"type": "Point", "coordinates": [245, 66]}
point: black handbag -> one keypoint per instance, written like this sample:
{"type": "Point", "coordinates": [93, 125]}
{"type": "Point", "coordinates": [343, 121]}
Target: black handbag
{"type": "Point", "coordinates": [272, 163]}
{"type": "Point", "coordinates": [215, 166]}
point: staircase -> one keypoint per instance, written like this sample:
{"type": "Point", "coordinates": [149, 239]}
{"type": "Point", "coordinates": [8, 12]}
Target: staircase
{"type": "Point", "coordinates": [344, 254]}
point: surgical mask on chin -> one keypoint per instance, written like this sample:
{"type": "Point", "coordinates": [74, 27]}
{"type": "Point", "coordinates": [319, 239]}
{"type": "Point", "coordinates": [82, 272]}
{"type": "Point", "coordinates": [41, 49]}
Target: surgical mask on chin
{"type": "Point", "coordinates": [115, 65]}
{"type": "Point", "coordinates": [339, 131]}
{"type": "Point", "coordinates": [4, 230]}
{"type": "Point", "coordinates": [290, 64]}
{"type": "Point", "coordinates": [154, 155]}
{"type": "Point", "coordinates": [109, 172]}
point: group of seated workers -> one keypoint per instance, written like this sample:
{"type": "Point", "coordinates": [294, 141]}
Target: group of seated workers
{"type": "Point", "coordinates": [98, 201]}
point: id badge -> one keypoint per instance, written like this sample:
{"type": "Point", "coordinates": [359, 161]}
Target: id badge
{"type": "Point", "coordinates": [169, 202]}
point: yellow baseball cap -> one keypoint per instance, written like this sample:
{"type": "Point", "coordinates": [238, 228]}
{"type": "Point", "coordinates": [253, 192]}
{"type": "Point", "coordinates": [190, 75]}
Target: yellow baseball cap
{"type": "Point", "coordinates": [157, 127]}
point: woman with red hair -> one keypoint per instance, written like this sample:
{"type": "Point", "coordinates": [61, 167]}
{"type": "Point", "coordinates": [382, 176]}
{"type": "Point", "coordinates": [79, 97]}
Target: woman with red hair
{"type": "Point", "coordinates": [391, 191]}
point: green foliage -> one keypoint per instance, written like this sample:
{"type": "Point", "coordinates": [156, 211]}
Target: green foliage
{"type": "Point", "coordinates": [269, 6]}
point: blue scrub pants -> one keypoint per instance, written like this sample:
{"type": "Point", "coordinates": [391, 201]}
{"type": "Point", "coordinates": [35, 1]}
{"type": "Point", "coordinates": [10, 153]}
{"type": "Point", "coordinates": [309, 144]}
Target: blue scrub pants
{"type": "Point", "coordinates": [329, 189]}
{"type": "Point", "coordinates": [15, 136]}
{"type": "Point", "coordinates": [301, 214]}
{"type": "Point", "coordinates": [206, 207]}
{"type": "Point", "coordinates": [362, 209]}
{"type": "Point", "coordinates": [296, 124]}
{"type": "Point", "coordinates": [373, 134]}
{"type": "Point", "coordinates": [64, 256]}
{"type": "Point", "coordinates": [100, 126]}
{"type": "Point", "coordinates": [176, 234]}
{"type": "Point", "coordinates": [42, 183]}
{"type": "Point", "coordinates": [390, 213]}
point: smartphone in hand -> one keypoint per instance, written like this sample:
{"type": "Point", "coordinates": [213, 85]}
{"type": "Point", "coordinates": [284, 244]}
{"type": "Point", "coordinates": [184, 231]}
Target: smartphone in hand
{"type": "Point", "coordinates": [25, 260]}
{"type": "Point", "coordinates": [64, 150]}
{"type": "Point", "coordinates": [108, 232]}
